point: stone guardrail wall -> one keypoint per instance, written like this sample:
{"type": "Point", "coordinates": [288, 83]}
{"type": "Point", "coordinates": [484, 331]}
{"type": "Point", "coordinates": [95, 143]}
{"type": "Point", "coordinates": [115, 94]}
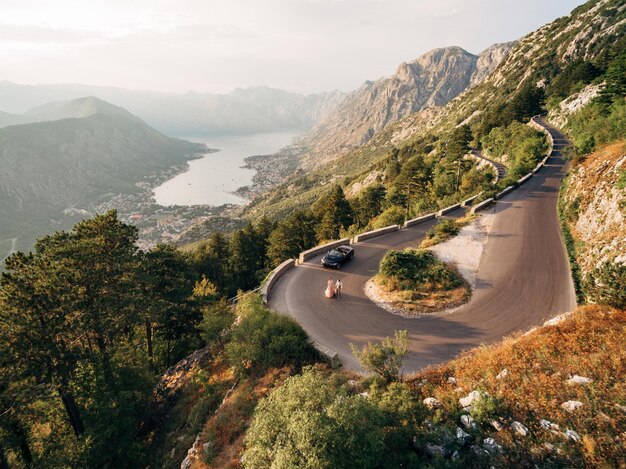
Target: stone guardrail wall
{"type": "Point", "coordinates": [482, 205]}
{"type": "Point", "coordinates": [523, 179]}
{"type": "Point", "coordinates": [469, 201]}
{"type": "Point", "coordinates": [418, 220]}
{"type": "Point", "coordinates": [533, 123]}
{"type": "Point", "coordinates": [274, 275]}
{"type": "Point", "coordinates": [504, 192]}
{"type": "Point", "coordinates": [449, 209]}
{"type": "Point", "coordinates": [306, 255]}
{"type": "Point", "coordinates": [372, 234]}
{"type": "Point", "coordinates": [331, 355]}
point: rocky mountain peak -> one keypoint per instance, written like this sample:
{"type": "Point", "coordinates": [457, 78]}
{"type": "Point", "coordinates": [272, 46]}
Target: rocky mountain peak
{"type": "Point", "coordinates": [432, 79]}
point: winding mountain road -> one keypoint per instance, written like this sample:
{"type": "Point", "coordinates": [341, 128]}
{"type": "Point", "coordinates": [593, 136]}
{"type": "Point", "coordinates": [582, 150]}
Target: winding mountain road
{"type": "Point", "coordinates": [523, 279]}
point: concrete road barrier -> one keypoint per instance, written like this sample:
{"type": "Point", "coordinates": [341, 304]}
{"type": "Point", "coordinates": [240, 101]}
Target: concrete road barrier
{"type": "Point", "coordinates": [331, 355]}
{"type": "Point", "coordinates": [537, 168]}
{"type": "Point", "coordinates": [418, 220]}
{"type": "Point", "coordinates": [482, 205]}
{"type": "Point", "coordinates": [274, 275]}
{"type": "Point", "coordinates": [469, 201]}
{"type": "Point", "coordinates": [523, 179]}
{"type": "Point", "coordinates": [504, 192]}
{"type": "Point", "coordinates": [306, 255]}
{"type": "Point", "coordinates": [543, 162]}
{"type": "Point", "coordinates": [449, 209]}
{"type": "Point", "coordinates": [372, 234]}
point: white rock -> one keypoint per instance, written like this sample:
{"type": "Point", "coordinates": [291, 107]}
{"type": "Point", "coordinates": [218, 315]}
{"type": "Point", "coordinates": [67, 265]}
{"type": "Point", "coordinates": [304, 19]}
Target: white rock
{"type": "Point", "coordinates": [571, 406]}
{"type": "Point", "coordinates": [547, 425]}
{"type": "Point", "coordinates": [572, 435]}
{"type": "Point", "coordinates": [469, 399]}
{"type": "Point", "coordinates": [456, 456]}
{"type": "Point", "coordinates": [503, 374]}
{"type": "Point", "coordinates": [549, 446]}
{"type": "Point", "coordinates": [432, 403]}
{"type": "Point", "coordinates": [467, 421]}
{"type": "Point", "coordinates": [621, 408]}
{"type": "Point", "coordinates": [364, 394]}
{"type": "Point", "coordinates": [451, 380]}
{"type": "Point", "coordinates": [497, 425]}
{"type": "Point", "coordinates": [580, 380]}
{"type": "Point", "coordinates": [519, 429]}
{"type": "Point", "coordinates": [459, 390]}
{"type": "Point", "coordinates": [461, 434]}
{"type": "Point", "coordinates": [490, 445]}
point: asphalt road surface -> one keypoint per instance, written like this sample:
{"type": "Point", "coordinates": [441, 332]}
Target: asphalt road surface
{"type": "Point", "coordinates": [523, 280]}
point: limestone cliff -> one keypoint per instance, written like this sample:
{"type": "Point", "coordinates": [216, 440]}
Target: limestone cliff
{"type": "Point", "coordinates": [594, 202]}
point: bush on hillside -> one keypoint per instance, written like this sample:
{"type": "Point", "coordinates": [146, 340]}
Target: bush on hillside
{"type": "Point", "coordinates": [393, 215]}
{"type": "Point", "coordinates": [263, 339]}
{"type": "Point", "coordinates": [384, 360]}
{"type": "Point", "coordinates": [523, 146]}
{"type": "Point", "coordinates": [311, 421]}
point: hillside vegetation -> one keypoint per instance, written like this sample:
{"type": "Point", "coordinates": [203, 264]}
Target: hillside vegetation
{"type": "Point", "coordinates": [551, 398]}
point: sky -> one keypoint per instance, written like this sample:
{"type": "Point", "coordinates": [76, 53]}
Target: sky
{"type": "Point", "coordinates": [217, 45]}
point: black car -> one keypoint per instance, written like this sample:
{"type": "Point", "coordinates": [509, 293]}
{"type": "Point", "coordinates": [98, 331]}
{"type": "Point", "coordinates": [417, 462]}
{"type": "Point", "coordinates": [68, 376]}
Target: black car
{"type": "Point", "coordinates": [337, 257]}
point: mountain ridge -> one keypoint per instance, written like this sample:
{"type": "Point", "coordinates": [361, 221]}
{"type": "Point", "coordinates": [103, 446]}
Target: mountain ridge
{"type": "Point", "coordinates": [430, 80]}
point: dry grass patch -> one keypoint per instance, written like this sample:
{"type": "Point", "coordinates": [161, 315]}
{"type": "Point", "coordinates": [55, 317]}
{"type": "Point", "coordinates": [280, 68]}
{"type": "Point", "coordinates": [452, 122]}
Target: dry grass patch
{"type": "Point", "coordinates": [588, 343]}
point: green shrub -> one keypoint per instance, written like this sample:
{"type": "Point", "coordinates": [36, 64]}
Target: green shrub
{"type": "Point", "coordinates": [385, 360]}
{"type": "Point", "coordinates": [264, 339]}
{"type": "Point", "coordinates": [393, 215]}
{"type": "Point", "coordinates": [485, 408]}
{"type": "Point", "coordinates": [408, 265]}
{"type": "Point", "coordinates": [310, 421]}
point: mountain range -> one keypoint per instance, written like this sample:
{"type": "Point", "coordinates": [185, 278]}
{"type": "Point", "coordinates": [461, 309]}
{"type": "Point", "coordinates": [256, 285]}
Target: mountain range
{"type": "Point", "coordinates": [255, 109]}
{"type": "Point", "coordinates": [431, 80]}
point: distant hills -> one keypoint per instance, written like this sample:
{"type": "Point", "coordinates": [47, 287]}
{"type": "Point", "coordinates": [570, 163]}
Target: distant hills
{"type": "Point", "coordinates": [257, 109]}
{"type": "Point", "coordinates": [85, 149]}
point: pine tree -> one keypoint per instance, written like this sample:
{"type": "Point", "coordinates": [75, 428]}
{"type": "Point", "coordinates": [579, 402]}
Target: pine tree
{"type": "Point", "coordinates": [290, 237]}
{"type": "Point", "coordinates": [413, 181]}
{"type": "Point", "coordinates": [333, 213]}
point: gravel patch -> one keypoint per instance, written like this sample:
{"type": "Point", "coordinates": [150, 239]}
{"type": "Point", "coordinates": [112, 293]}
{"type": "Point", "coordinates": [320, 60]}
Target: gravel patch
{"type": "Point", "coordinates": [465, 250]}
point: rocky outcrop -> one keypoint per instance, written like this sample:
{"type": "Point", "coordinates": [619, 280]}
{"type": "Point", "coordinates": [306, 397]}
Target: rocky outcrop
{"type": "Point", "coordinates": [489, 59]}
{"type": "Point", "coordinates": [431, 80]}
{"type": "Point", "coordinates": [559, 116]}
{"type": "Point", "coordinates": [594, 204]}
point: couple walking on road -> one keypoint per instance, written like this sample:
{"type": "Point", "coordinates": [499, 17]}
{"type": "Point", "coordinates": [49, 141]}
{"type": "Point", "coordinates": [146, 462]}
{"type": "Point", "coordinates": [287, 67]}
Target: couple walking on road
{"type": "Point", "coordinates": [333, 288]}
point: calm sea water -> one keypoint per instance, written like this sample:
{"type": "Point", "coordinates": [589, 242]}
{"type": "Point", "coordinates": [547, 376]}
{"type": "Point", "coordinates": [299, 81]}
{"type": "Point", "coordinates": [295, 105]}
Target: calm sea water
{"type": "Point", "coordinates": [212, 179]}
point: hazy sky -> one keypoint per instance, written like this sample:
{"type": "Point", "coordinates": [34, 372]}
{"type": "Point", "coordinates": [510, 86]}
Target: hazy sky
{"type": "Point", "coordinates": [216, 45]}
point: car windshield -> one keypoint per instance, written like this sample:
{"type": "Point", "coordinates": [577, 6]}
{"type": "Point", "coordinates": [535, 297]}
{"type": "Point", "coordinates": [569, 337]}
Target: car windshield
{"type": "Point", "coordinates": [335, 253]}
